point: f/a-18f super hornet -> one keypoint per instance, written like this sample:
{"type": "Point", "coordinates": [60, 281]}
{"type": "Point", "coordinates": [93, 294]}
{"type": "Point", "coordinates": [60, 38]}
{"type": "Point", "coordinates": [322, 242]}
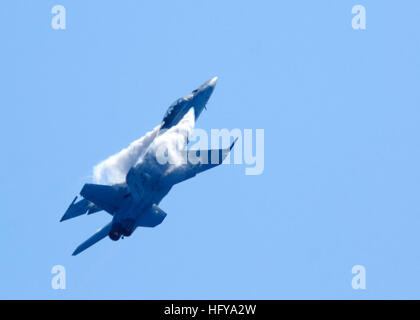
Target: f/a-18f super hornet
{"type": "Point", "coordinates": [134, 202]}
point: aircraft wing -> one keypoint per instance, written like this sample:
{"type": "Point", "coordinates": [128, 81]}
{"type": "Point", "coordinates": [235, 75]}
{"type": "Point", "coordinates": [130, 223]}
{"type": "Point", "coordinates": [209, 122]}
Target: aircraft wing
{"type": "Point", "coordinates": [198, 161]}
{"type": "Point", "coordinates": [96, 198]}
{"type": "Point", "coordinates": [99, 235]}
{"type": "Point", "coordinates": [103, 196]}
{"type": "Point", "coordinates": [79, 208]}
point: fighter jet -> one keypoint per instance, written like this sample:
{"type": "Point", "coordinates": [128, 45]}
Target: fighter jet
{"type": "Point", "coordinates": [134, 203]}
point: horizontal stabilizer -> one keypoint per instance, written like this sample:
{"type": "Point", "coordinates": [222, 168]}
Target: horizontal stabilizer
{"type": "Point", "coordinates": [93, 208]}
{"type": "Point", "coordinates": [106, 197]}
{"type": "Point", "coordinates": [77, 209]}
{"type": "Point", "coordinates": [99, 235]}
{"type": "Point", "coordinates": [151, 218]}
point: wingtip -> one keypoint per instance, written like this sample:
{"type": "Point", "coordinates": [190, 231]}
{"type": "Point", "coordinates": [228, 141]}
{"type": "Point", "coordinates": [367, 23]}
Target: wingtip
{"type": "Point", "coordinates": [233, 143]}
{"type": "Point", "coordinates": [63, 218]}
{"type": "Point", "coordinates": [71, 204]}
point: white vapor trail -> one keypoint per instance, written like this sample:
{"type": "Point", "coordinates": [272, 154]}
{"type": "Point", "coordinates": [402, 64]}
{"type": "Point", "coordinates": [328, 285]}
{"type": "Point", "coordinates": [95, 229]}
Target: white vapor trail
{"type": "Point", "coordinates": [157, 154]}
{"type": "Point", "coordinates": [114, 169]}
{"type": "Point", "coordinates": [166, 152]}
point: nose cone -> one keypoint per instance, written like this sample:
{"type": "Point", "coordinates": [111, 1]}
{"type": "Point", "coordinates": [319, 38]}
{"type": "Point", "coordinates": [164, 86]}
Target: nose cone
{"type": "Point", "coordinates": [212, 82]}
{"type": "Point", "coordinates": [206, 87]}
{"type": "Point", "coordinates": [202, 95]}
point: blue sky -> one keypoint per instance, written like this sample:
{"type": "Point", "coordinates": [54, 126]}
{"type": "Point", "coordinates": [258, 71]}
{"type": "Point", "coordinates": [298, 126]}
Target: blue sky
{"type": "Point", "coordinates": [340, 110]}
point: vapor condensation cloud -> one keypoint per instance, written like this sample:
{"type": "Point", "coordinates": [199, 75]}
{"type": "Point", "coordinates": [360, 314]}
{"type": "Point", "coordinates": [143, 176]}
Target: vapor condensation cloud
{"type": "Point", "coordinates": [114, 169]}
{"type": "Point", "coordinates": [165, 153]}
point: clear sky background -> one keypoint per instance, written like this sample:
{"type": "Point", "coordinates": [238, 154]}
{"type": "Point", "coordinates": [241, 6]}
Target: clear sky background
{"type": "Point", "coordinates": [340, 109]}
